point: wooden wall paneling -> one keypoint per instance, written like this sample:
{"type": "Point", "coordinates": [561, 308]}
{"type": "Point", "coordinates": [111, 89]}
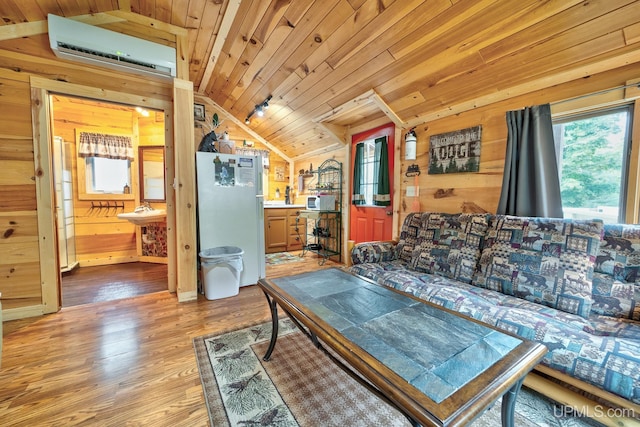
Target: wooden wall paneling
{"type": "Point", "coordinates": [235, 44]}
{"type": "Point", "coordinates": [291, 33]}
{"type": "Point", "coordinates": [481, 190]}
{"type": "Point", "coordinates": [19, 261]}
{"type": "Point", "coordinates": [21, 285]}
{"type": "Point", "coordinates": [185, 192]}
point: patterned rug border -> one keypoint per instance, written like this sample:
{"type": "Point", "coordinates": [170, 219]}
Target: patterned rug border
{"type": "Point", "coordinates": [534, 407]}
{"type": "Point", "coordinates": [215, 407]}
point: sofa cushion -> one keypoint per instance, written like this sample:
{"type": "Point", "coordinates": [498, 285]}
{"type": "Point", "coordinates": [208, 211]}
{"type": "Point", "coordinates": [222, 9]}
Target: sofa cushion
{"type": "Point", "coordinates": [619, 254]}
{"type": "Point", "coordinates": [373, 252]}
{"type": "Point", "coordinates": [614, 298]}
{"type": "Point", "coordinates": [544, 260]}
{"type": "Point", "coordinates": [409, 235]}
{"type": "Point", "coordinates": [449, 245]}
{"type": "Point", "coordinates": [616, 281]}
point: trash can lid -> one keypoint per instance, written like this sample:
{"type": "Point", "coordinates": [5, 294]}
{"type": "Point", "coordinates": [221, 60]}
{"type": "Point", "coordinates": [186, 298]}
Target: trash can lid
{"type": "Point", "coordinates": [221, 252]}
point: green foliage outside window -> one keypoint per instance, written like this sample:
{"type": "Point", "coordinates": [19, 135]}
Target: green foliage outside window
{"type": "Point", "coordinates": [592, 160]}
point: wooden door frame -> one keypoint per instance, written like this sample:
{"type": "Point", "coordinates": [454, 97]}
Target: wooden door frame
{"type": "Point", "coordinates": [394, 173]}
{"type": "Point", "coordinates": [41, 89]}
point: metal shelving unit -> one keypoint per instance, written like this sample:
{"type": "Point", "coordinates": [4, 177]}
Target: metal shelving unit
{"type": "Point", "coordinates": [324, 227]}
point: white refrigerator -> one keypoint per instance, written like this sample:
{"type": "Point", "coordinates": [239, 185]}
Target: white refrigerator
{"type": "Point", "coordinates": [231, 208]}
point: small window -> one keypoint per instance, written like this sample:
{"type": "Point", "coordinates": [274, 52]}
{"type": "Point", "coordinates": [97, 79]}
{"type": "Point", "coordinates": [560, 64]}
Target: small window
{"type": "Point", "coordinates": [593, 150]}
{"type": "Point", "coordinates": [107, 176]}
{"type": "Point", "coordinates": [104, 166]}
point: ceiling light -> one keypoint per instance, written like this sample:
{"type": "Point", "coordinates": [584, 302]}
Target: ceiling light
{"type": "Point", "coordinates": [142, 111]}
{"type": "Point", "coordinates": [258, 110]}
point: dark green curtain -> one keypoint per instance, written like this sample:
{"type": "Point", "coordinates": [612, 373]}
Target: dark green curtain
{"type": "Point", "coordinates": [358, 176]}
{"type": "Point", "coordinates": [530, 185]}
{"type": "Point", "coordinates": [381, 195]}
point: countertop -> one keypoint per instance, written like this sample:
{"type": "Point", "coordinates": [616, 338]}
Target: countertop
{"type": "Point", "coordinates": [268, 205]}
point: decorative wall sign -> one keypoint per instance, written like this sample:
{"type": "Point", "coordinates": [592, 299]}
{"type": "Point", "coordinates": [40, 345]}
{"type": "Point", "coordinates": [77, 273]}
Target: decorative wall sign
{"type": "Point", "coordinates": [199, 112]}
{"type": "Point", "coordinates": [454, 152]}
{"type": "Point", "coordinates": [279, 174]}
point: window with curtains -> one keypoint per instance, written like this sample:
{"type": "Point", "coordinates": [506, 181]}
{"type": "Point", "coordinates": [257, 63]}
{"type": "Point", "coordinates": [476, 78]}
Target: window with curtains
{"type": "Point", "coordinates": [104, 166]}
{"type": "Point", "coordinates": [107, 175]}
{"type": "Point", "coordinates": [371, 173]}
{"type": "Point", "coordinates": [592, 151]}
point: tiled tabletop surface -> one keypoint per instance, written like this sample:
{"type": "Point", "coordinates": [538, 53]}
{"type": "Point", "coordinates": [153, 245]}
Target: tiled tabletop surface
{"type": "Point", "coordinates": [435, 351]}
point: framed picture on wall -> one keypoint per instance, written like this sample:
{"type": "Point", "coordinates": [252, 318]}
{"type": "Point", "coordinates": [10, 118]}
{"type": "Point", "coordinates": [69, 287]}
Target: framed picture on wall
{"type": "Point", "coordinates": [199, 112]}
{"type": "Point", "coordinates": [455, 152]}
{"type": "Point", "coordinates": [278, 174]}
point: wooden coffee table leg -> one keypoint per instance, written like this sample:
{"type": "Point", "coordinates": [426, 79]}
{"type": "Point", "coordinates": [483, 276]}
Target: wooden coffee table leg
{"type": "Point", "coordinates": [509, 404]}
{"type": "Point", "coordinates": [274, 326]}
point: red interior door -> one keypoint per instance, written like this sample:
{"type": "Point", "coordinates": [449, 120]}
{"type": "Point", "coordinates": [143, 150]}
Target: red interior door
{"type": "Point", "coordinates": [369, 223]}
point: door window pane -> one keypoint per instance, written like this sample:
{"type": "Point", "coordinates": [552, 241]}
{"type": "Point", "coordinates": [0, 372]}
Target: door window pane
{"type": "Point", "coordinates": [370, 182]}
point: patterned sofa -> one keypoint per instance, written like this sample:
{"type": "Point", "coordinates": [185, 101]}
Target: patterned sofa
{"type": "Point", "coordinates": [573, 285]}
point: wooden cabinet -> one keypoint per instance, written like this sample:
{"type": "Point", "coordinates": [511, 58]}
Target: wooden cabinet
{"type": "Point", "coordinates": [283, 230]}
{"type": "Point", "coordinates": [297, 226]}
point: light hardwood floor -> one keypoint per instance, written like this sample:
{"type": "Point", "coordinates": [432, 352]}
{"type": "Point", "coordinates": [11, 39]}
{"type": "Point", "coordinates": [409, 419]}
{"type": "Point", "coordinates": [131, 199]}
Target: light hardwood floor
{"type": "Point", "coordinates": [118, 363]}
{"type": "Point", "coordinates": [110, 282]}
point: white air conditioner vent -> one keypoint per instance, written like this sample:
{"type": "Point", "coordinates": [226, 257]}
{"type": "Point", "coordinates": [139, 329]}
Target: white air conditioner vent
{"type": "Point", "coordinates": [77, 41]}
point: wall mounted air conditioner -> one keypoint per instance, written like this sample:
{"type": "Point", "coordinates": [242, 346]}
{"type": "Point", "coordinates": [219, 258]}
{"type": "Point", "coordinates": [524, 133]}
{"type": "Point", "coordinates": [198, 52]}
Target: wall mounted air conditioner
{"type": "Point", "coordinates": [93, 45]}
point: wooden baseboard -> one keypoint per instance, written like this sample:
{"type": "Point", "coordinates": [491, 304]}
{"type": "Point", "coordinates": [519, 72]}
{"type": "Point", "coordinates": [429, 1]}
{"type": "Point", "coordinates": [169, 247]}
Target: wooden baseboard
{"type": "Point", "coordinates": [621, 413]}
{"type": "Point", "coordinates": [154, 259]}
{"type": "Point", "coordinates": [22, 312]}
{"type": "Point", "coordinates": [107, 261]}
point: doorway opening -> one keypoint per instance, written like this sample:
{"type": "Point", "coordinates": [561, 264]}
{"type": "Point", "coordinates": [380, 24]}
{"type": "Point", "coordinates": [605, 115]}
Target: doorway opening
{"type": "Point", "coordinates": [102, 257]}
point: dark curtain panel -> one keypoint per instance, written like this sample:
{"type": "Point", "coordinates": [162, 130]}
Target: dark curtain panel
{"type": "Point", "coordinates": [358, 175]}
{"type": "Point", "coordinates": [381, 173]}
{"type": "Point", "coordinates": [530, 186]}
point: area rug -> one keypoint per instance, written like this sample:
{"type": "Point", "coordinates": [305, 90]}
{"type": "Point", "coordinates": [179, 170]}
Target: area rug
{"type": "Point", "coordinates": [281, 258]}
{"type": "Point", "coordinates": [300, 386]}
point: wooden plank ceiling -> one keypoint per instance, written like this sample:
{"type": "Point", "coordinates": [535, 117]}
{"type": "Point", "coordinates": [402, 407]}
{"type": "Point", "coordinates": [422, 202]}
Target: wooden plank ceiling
{"type": "Point", "coordinates": [410, 60]}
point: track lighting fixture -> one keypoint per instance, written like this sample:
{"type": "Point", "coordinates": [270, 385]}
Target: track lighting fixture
{"type": "Point", "coordinates": [258, 110]}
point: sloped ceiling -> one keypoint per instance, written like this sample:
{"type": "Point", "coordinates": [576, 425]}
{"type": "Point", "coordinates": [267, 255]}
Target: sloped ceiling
{"type": "Point", "coordinates": [334, 64]}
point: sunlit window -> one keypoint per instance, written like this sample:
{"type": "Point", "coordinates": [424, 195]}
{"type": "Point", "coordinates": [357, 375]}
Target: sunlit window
{"type": "Point", "coordinates": [593, 150]}
{"type": "Point", "coordinates": [369, 182]}
{"type": "Point", "coordinates": [106, 175]}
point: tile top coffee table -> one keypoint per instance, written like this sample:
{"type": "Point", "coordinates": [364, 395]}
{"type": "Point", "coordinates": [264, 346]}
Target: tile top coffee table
{"type": "Point", "coordinates": [436, 366]}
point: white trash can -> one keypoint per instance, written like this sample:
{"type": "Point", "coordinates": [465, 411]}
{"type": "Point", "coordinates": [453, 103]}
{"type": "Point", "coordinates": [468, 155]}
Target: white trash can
{"type": "Point", "coordinates": [221, 268]}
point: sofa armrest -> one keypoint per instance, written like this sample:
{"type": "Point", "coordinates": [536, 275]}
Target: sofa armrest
{"type": "Point", "coordinates": [374, 252]}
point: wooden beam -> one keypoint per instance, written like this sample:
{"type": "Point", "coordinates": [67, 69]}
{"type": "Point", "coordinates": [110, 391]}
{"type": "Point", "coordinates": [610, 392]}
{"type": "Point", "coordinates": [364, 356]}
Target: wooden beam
{"type": "Point", "coordinates": [324, 149]}
{"type": "Point", "coordinates": [345, 108]}
{"type": "Point", "coordinates": [185, 191]}
{"type": "Point", "coordinates": [336, 131]}
{"type": "Point", "coordinates": [225, 26]}
{"type": "Point", "coordinates": [387, 110]}
{"type": "Point", "coordinates": [49, 265]}
{"type": "Point", "coordinates": [124, 5]}
{"type": "Point", "coordinates": [25, 29]}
